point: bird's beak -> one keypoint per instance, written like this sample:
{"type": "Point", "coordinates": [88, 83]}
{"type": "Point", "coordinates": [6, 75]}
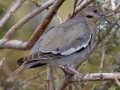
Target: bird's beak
{"type": "Point", "coordinates": [104, 18]}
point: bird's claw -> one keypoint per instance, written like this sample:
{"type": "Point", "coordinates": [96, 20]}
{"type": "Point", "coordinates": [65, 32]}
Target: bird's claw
{"type": "Point", "coordinates": [81, 75]}
{"type": "Point", "coordinates": [69, 71]}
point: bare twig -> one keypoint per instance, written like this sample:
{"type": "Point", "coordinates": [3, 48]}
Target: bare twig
{"type": "Point", "coordinates": [27, 18]}
{"type": "Point", "coordinates": [113, 13]}
{"type": "Point", "coordinates": [80, 1]}
{"type": "Point", "coordinates": [117, 81]}
{"type": "Point", "coordinates": [62, 85]}
{"type": "Point", "coordinates": [74, 7]}
{"type": "Point", "coordinates": [60, 20]}
{"type": "Point", "coordinates": [106, 84]}
{"type": "Point", "coordinates": [79, 8]}
{"type": "Point", "coordinates": [69, 86]}
{"type": "Point", "coordinates": [50, 81]}
{"type": "Point", "coordinates": [110, 28]}
{"type": "Point", "coordinates": [39, 4]}
{"type": "Point", "coordinates": [1, 61]}
{"type": "Point", "coordinates": [84, 85]}
{"type": "Point", "coordinates": [29, 79]}
{"type": "Point", "coordinates": [6, 69]}
{"type": "Point", "coordinates": [13, 9]}
{"type": "Point", "coordinates": [117, 8]}
{"type": "Point", "coordinates": [112, 4]}
{"type": "Point", "coordinates": [105, 2]}
{"type": "Point", "coordinates": [96, 77]}
{"type": "Point", "coordinates": [101, 66]}
{"type": "Point", "coordinates": [102, 60]}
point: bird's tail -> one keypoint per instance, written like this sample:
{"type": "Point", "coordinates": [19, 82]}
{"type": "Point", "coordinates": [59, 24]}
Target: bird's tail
{"type": "Point", "coordinates": [15, 74]}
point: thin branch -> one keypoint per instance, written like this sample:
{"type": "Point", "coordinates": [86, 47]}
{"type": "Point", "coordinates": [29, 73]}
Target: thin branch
{"type": "Point", "coordinates": [39, 4]}
{"type": "Point", "coordinates": [79, 8]}
{"type": "Point", "coordinates": [60, 20]}
{"type": "Point", "coordinates": [101, 66]}
{"type": "Point", "coordinates": [80, 1]}
{"type": "Point", "coordinates": [106, 84]}
{"type": "Point", "coordinates": [91, 77]}
{"type": "Point", "coordinates": [1, 61]}
{"type": "Point", "coordinates": [27, 18]}
{"type": "Point", "coordinates": [113, 13]}
{"type": "Point", "coordinates": [117, 81]}
{"type": "Point", "coordinates": [96, 77]}
{"type": "Point", "coordinates": [84, 85]}
{"type": "Point", "coordinates": [62, 85]}
{"type": "Point", "coordinates": [6, 69]}
{"type": "Point", "coordinates": [105, 2]}
{"type": "Point", "coordinates": [50, 81]}
{"type": "Point", "coordinates": [110, 28]}
{"type": "Point", "coordinates": [113, 4]}
{"type": "Point", "coordinates": [29, 79]}
{"type": "Point", "coordinates": [13, 9]}
{"type": "Point", "coordinates": [102, 60]}
{"type": "Point", "coordinates": [75, 4]}
{"type": "Point", "coordinates": [69, 86]}
{"type": "Point", "coordinates": [117, 7]}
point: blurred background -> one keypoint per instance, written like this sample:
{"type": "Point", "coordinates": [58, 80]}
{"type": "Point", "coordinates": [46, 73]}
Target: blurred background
{"type": "Point", "coordinates": [8, 57]}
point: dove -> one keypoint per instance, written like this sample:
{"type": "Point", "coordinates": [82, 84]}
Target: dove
{"type": "Point", "coordinates": [67, 44]}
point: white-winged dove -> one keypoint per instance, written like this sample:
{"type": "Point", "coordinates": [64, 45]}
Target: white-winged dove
{"type": "Point", "coordinates": [66, 44]}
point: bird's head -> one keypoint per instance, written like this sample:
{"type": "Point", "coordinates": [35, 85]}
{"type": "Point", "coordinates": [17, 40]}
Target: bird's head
{"type": "Point", "coordinates": [94, 13]}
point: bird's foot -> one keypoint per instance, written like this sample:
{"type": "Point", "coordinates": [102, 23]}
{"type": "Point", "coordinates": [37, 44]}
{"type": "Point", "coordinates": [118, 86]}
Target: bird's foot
{"type": "Point", "coordinates": [69, 71]}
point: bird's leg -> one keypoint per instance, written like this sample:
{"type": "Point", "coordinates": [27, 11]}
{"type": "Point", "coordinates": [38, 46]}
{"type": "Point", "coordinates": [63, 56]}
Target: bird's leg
{"type": "Point", "coordinates": [69, 70]}
{"type": "Point", "coordinates": [67, 73]}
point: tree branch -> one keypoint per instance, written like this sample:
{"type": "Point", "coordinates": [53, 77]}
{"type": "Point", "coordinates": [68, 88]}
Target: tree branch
{"type": "Point", "coordinates": [96, 77]}
{"type": "Point", "coordinates": [50, 81]}
{"type": "Point", "coordinates": [29, 79]}
{"type": "Point", "coordinates": [106, 84]}
{"type": "Point", "coordinates": [79, 8]}
{"type": "Point", "coordinates": [14, 8]}
{"type": "Point", "coordinates": [16, 44]}
{"type": "Point", "coordinates": [101, 66]}
{"type": "Point", "coordinates": [27, 18]}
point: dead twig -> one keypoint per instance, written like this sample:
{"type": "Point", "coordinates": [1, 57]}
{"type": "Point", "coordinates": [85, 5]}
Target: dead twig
{"type": "Point", "coordinates": [107, 84]}
{"type": "Point", "coordinates": [101, 66]}
{"type": "Point", "coordinates": [79, 8]}
{"type": "Point", "coordinates": [39, 4]}
{"type": "Point", "coordinates": [13, 9]}
{"type": "Point", "coordinates": [50, 81]}
{"type": "Point", "coordinates": [29, 79]}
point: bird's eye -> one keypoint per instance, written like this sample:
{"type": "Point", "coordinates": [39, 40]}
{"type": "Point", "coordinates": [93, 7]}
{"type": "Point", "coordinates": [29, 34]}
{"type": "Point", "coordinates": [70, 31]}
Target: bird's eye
{"type": "Point", "coordinates": [95, 11]}
{"type": "Point", "coordinates": [89, 16]}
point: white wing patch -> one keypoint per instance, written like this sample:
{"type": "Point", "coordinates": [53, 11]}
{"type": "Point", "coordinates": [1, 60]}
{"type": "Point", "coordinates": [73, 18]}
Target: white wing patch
{"type": "Point", "coordinates": [55, 52]}
{"type": "Point", "coordinates": [72, 50]}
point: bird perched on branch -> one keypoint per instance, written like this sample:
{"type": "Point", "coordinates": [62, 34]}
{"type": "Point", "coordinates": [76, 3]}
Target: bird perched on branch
{"type": "Point", "coordinates": [67, 44]}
